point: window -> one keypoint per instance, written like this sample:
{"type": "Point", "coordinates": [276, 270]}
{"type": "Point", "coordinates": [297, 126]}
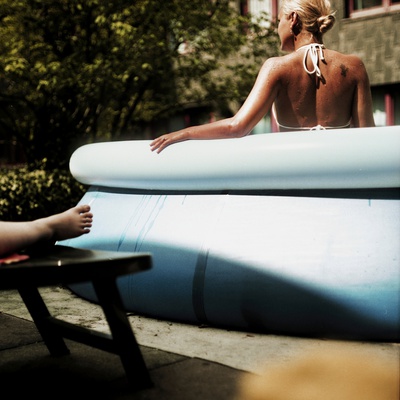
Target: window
{"type": "Point", "coordinates": [386, 104]}
{"type": "Point", "coordinates": [361, 8]}
{"type": "Point", "coordinates": [256, 7]}
{"type": "Point", "coordinates": [362, 4]}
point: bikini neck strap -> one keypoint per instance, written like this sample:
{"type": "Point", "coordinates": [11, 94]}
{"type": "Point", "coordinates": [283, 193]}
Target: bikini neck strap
{"type": "Point", "coordinates": [316, 52]}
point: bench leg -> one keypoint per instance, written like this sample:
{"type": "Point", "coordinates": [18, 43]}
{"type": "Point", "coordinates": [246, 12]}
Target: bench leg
{"type": "Point", "coordinates": [124, 339]}
{"type": "Point", "coordinates": [40, 315]}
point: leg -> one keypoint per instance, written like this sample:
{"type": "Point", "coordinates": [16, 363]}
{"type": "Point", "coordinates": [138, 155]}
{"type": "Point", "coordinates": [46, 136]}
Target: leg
{"type": "Point", "coordinates": [17, 236]}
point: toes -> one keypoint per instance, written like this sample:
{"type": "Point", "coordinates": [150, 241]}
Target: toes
{"type": "Point", "coordinates": [84, 208]}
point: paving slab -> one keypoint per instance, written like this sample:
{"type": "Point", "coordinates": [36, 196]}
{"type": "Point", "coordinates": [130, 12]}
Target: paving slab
{"type": "Point", "coordinates": [27, 369]}
{"type": "Point", "coordinates": [185, 361]}
{"type": "Point", "coordinates": [245, 351]}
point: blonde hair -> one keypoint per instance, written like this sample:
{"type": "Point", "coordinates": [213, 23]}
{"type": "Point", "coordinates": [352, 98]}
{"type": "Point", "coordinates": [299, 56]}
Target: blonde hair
{"type": "Point", "coordinates": [316, 16]}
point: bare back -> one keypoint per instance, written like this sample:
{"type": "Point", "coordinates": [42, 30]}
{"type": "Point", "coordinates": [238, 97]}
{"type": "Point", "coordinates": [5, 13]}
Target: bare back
{"type": "Point", "coordinates": [334, 99]}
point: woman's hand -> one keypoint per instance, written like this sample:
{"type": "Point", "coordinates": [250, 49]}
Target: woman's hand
{"type": "Point", "coordinates": [222, 129]}
{"type": "Point", "coordinates": [159, 143]}
{"type": "Point", "coordinates": [163, 141]}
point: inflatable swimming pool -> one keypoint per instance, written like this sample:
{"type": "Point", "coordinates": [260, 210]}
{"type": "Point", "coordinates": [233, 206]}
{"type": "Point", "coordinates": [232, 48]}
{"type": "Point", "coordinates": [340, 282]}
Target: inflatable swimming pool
{"type": "Point", "coordinates": [294, 233]}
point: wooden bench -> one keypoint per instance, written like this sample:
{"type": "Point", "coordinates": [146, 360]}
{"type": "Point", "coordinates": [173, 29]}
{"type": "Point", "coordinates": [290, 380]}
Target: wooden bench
{"type": "Point", "coordinates": [66, 265]}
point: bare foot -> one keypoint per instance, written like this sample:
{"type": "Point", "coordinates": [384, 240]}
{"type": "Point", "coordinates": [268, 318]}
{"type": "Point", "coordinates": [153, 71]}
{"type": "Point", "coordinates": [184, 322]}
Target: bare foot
{"type": "Point", "coordinates": [71, 223]}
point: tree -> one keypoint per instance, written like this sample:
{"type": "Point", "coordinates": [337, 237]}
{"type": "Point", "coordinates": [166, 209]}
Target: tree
{"type": "Point", "coordinates": [76, 71]}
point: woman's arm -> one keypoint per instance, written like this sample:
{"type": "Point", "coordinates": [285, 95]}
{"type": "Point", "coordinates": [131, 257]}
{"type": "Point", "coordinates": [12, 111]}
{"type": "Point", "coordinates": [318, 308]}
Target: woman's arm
{"type": "Point", "coordinates": [254, 108]}
{"type": "Point", "coordinates": [362, 113]}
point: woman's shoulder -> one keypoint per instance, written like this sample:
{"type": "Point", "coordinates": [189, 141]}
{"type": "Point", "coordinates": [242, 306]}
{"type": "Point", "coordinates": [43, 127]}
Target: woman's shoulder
{"type": "Point", "coordinates": [282, 59]}
{"type": "Point", "coordinates": [351, 63]}
{"type": "Point", "coordinates": [349, 58]}
{"type": "Point", "coordinates": [278, 64]}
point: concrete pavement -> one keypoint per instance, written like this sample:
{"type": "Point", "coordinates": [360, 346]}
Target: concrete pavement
{"type": "Point", "coordinates": [185, 361]}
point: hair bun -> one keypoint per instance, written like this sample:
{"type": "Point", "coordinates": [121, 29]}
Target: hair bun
{"type": "Point", "coordinates": [326, 22]}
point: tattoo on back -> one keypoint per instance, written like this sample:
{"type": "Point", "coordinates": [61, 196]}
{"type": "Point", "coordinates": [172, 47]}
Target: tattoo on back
{"type": "Point", "coordinates": [344, 70]}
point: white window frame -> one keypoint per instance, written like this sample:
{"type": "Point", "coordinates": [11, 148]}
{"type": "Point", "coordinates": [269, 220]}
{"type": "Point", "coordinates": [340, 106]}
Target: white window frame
{"type": "Point", "coordinates": [385, 7]}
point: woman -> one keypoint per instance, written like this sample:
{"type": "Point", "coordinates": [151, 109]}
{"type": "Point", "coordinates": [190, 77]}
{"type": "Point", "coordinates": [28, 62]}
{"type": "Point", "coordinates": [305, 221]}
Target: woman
{"type": "Point", "coordinates": [312, 87]}
{"type": "Point", "coordinates": [16, 236]}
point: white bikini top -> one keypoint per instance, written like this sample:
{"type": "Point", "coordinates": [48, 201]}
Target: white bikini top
{"type": "Point", "coordinates": [316, 52]}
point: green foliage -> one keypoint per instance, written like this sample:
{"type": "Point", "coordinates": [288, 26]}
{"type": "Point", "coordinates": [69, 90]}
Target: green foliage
{"type": "Point", "coordinates": [30, 194]}
{"type": "Point", "coordinates": [76, 71]}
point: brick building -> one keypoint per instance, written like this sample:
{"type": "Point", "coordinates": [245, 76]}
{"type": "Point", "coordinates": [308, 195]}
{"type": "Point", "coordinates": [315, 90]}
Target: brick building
{"type": "Point", "coordinates": [371, 30]}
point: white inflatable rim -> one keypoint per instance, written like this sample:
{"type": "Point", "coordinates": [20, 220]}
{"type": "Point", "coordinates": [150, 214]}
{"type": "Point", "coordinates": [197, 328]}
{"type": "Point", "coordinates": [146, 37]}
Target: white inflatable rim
{"type": "Point", "coordinates": [336, 159]}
